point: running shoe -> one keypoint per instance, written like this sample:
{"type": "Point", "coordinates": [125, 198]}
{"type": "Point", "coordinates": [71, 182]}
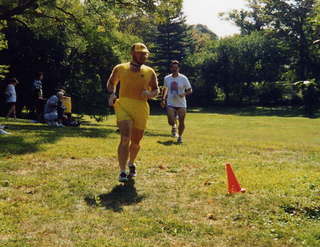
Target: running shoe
{"type": "Point", "coordinates": [123, 177]}
{"type": "Point", "coordinates": [174, 132]}
{"type": "Point", "coordinates": [132, 170]}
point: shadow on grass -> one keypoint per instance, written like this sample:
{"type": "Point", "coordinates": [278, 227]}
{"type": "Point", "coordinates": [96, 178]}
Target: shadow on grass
{"type": "Point", "coordinates": [153, 133]}
{"type": "Point", "coordinates": [168, 143]}
{"type": "Point", "coordinates": [16, 145]}
{"type": "Point", "coordinates": [122, 194]}
{"type": "Point", "coordinates": [87, 123]}
{"type": "Point", "coordinates": [23, 144]}
{"type": "Point", "coordinates": [312, 213]}
{"type": "Point", "coordinates": [253, 111]}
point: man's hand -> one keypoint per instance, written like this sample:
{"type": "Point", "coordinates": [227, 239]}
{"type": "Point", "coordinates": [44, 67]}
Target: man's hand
{"type": "Point", "coordinates": [112, 98]}
{"type": "Point", "coordinates": [163, 103]}
{"type": "Point", "coordinates": [147, 94]}
{"type": "Point", "coordinates": [183, 95]}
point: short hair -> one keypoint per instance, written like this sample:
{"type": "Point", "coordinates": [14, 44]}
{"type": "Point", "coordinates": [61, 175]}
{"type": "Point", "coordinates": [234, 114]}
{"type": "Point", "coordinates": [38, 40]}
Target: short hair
{"type": "Point", "coordinates": [60, 90]}
{"type": "Point", "coordinates": [173, 62]}
{"type": "Point", "coordinates": [39, 74]}
{"type": "Point", "coordinates": [13, 80]}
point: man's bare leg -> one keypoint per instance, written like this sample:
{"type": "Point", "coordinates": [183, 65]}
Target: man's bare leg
{"type": "Point", "coordinates": [125, 128]}
{"type": "Point", "coordinates": [181, 128]}
{"type": "Point", "coordinates": [172, 120]}
{"type": "Point", "coordinates": [136, 137]}
{"type": "Point", "coordinates": [10, 112]}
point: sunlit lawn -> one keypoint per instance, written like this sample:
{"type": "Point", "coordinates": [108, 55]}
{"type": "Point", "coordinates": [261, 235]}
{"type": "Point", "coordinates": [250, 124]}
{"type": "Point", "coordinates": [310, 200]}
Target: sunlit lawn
{"type": "Point", "coordinates": [58, 186]}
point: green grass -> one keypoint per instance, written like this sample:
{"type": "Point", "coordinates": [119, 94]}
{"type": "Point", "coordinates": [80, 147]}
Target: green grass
{"type": "Point", "coordinates": [58, 186]}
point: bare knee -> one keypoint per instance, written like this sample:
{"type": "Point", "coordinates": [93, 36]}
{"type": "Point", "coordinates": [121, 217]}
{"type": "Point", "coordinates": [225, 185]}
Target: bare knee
{"type": "Point", "coordinates": [134, 145]}
{"type": "Point", "coordinates": [171, 122]}
{"type": "Point", "coordinates": [136, 137]}
{"type": "Point", "coordinates": [181, 124]}
{"type": "Point", "coordinates": [135, 141]}
{"type": "Point", "coordinates": [125, 140]}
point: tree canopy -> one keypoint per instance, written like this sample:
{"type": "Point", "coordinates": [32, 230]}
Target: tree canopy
{"type": "Point", "coordinates": [77, 42]}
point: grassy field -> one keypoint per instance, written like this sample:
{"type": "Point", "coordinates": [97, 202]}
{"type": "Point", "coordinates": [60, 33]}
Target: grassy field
{"type": "Point", "coordinates": [58, 186]}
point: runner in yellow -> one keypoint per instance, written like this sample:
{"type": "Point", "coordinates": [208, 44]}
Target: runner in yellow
{"type": "Point", "coordinates": [138, 83]}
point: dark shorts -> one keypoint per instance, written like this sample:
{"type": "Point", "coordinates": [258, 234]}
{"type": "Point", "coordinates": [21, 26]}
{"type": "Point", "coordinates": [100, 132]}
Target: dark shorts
{"type": "Point", "coordinates": [175, 108]}
{"type": "Point", "coordinates": [39, 105]}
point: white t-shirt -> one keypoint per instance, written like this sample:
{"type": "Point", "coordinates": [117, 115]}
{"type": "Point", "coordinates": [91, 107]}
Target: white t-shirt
{"type": "Point", "coordinates": [176, 85]}
{"type": "Point", "coordinates": [11, 94]}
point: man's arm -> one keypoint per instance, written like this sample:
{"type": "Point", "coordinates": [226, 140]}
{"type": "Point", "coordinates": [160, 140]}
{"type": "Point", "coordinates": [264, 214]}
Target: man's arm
{"type": "Point", "coordinates": [111, 86]}
{"type": "Point", "coordinates": [188, 89]}
{"type": "Point", "coordinates": [165, 93]}
{"type": "Point", "coordinates": [186, 92]}
{"type": "Point", "coordinates": [112, 81]}
{"type": "Point", "coordinates": [153, 84]}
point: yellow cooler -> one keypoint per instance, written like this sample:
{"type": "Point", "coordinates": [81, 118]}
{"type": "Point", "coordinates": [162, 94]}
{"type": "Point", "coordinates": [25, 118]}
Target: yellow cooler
{"type": "Point", "coordinates": [66, 101]}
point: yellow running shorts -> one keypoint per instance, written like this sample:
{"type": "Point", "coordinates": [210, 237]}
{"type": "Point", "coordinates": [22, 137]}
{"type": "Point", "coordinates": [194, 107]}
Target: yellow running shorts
{"type": "Point", "coordinates": [131, 109]}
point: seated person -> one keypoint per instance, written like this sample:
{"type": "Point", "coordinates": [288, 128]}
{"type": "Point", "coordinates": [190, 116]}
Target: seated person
{"type": "Point", "coordinates": [53, 109]}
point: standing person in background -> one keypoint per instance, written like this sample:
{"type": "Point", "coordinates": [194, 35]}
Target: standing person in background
{"type": "Point", "coordinates": [138, 83]}
{"type": "Point", "coordinates": [11, 97]}
{"type": "Point", "coordinates": [37, 96]}
{"type": "Point", "coordinates": [177, 87]}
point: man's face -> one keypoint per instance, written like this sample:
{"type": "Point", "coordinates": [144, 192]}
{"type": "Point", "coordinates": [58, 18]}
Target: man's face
{"type": "Point", "coordinates": [140, 57]}
{"type": "Point", "coordinates": [174, 68]}
{"type": "Point", "coordinates": [60, 95]}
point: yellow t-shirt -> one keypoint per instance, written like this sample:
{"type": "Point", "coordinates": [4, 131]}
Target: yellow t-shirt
{"type": "Point", "coordinates": [132, 83]}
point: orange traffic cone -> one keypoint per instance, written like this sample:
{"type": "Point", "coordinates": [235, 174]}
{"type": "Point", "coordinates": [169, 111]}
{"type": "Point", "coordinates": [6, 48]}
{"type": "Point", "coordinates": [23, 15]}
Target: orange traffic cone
{"type": "Point", "coordinates": [233, 184]}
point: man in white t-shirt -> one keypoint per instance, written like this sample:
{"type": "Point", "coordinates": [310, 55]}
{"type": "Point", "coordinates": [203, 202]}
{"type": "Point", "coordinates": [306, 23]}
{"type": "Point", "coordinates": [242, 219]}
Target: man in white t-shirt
{"type": "Point", "coordinates": [177, 87]}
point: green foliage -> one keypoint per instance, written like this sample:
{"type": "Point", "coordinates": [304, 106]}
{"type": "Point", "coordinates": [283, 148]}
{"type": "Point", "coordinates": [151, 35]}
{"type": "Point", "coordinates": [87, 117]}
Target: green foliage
{"type": "Point", "coordinates": [3, 45]}
{"type": "Point", "coordinates": [171, 40]}
{"type": "Point", "coordinates": [248, 20]}
{"type": "Point", "coordinates": [310, 91]}
{"type": "Point", "coordinates": [290, 21]}
{"type": "Point", "coordinates": [76, 44]}
{"type": "Point", "coordinates": [239, 61]}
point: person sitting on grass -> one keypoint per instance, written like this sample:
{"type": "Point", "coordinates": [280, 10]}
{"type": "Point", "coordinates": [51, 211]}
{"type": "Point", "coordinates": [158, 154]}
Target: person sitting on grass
{"type": "Point", "coordinates": [53, 110]}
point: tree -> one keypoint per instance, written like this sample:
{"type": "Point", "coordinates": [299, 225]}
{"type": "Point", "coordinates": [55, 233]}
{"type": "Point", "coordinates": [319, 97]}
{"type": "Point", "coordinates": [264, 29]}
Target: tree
{"type": "Point", "coordinates": [239, 61]}
{"type": "Point", "coordinates": [75, 43]}
{"type": "Point", "coordinates": [3, 46]}
{"type": "Point", "coordinates": [11, 8]}
{"type": "Point", "coordinates": [248, 20]}
{"type": "Point", "coordinates": [289, 20]}
{"type": "Point", "coordinates": [171, 40]}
